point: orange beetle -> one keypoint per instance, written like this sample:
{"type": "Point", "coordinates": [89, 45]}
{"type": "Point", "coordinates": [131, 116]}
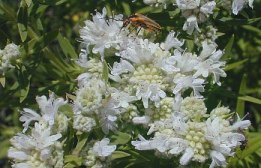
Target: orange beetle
{"type": "Point", "coordinates": [139, 20]}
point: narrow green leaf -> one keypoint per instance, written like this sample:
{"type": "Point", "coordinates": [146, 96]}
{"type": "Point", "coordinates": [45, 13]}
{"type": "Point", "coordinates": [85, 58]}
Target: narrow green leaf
{"type": "Point", "coordinates": [253, 20]}
{"type": "Point", "coordinates": [243, 85]}
{"type": "Point", "coordinates": [119, 154]}
{"type": "Point", "coordinates": [70, 165]}
{"type": "Point", "coordinates": [66, 46]}
{"type": "Point", "coordinates": [225, 19]}
{"type": "Point", "coordinates": [240, 109]}
{"type": "Point", "coordinates": [228, 48]}
{"type": "Point", "coordinates": [36, 45]}
{"type": "Point", "coordinates": [174, 13]}
{"type": "Point", "coordinates": [70, 96]}
{"type": "Point", "coordinates": [39, 24]}
{"type": "Point", "coordinates": [190, 45]}
{"type": "Point", "coordinates": [24, 92]}
{"type": "Point", "coordinates": [126, 8]}
{"type": "Point", "coordinates": [4, 146]}
{"type": "Point", "coordinates": [28, 2]}
{"type": "Point", "coordinates": [81, 142]}
{"type": "Point", "coordinates": [77, 161]}
{"type": "Point", "coordinates": [22, 22]}
{"type": "Point", "coordinates": [253, 29]}
{"type": "Point", "coordinates": [250, 99]}
{"type": "Point", "coordinates": [235, 65]}
{"type": "Point", "coordinates": [2, 81]}
{"type": "Point", "coordinates": [120, 138]}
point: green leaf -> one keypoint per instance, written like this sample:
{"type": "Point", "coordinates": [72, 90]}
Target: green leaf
{"type": "Point", "coordinates": [243, 85]}
{"type": "Point", "coordinates": [253, 20]}
{"type": "Point", "coordinates": [119, 154]}
{"type": "Point", "coordinates": [81, 142]}
{"type": "Point", "coordinates": [70, 96]}
{"type": "Point", "coordinates": [250, 99]}
{"type": "Point", "coordinates": [2, 81]}
{"type": "Point", "coordinates": [22, 22]}
{"type": "Point", "coordinates": [228, 48]}
{"type": "Point", "coordinates": [126, 8]}
{"type": "Point", "coordinates": [235, 65]}
{"type": "Point", "coordinates": [253, 29]}
{"type": "Point", "coordinates": [66, 46]}
{"type": "Point", "coordinates": [28, 2]}
{"type": "Point", "coordinates": [4, 146]}
{"type": "Point", "coordinates": [24, 92]}
{"type": "Point", "coordinates": [37, 44]}
{"type": "Point", "coordinates": [52, 2]}
{"type": "Point", "coordinates": [74, 160]}
{"type": "Point", "coordinates": [24, 82]}
{"type": "Point", "coordinates": [39, 24]}
{"type": "Point", "coordinates": [174, 13]}
{"type": "Point", "coordinates": [120, 138]}
{"type": "Point", "coordinates": [105, 71]}
{"type": "Point", "coordinates": [190, 45]}
{"type": "Point", "coordinates": [240, 109]}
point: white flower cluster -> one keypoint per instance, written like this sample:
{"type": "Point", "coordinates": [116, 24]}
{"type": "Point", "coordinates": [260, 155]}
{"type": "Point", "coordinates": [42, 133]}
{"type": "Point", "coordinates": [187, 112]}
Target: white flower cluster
{"type": "Point", "coordinates": [41, 148]}
{"type": "Point", "coordinates": [153, 76]}
{"type": "Point", "coordinates": [197, 11]}
{"type": "Point", "coordinates": [9, 53]}
{"type": "Point", "coordinates": [189, 132]}
{"type": "Point", "coordinates": [145, 71]}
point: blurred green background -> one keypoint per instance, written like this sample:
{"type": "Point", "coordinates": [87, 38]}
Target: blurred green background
{"type": "Point", "coordinates": [47, 32]}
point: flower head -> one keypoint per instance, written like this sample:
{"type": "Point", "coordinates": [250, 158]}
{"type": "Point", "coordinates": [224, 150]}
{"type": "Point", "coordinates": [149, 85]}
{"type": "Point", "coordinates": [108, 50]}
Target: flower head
{"type": "Point", "coordinates": [102, 33]}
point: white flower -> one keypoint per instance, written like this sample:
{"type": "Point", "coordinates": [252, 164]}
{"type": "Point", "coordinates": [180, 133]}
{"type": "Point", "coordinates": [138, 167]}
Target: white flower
{"type": "Point", "coordinates": [93, 70]}
{"type": "Point", "coordinates": [188, 4]}
{"type": "Point", "coordinates": [187, 156]}
{"type": "Point", "coordinates": [191, 24]}
{"type": "Point", "coordinates": [139, 51]}
{"type": "Point", "coordinates": [141, 120]}
{"type": "Point", "coordinates": [209, 63]}
{"type": "Point", "coordinates": [48, 108]}
{"type": "Point", "coordinates": [218, 159]}
{"type": "Point", "coordinates": [89, 97]}
{"type": "Point", "coordinates": [102, 149]}
{"type": "Point", "coordinates": [238, 5]}
{"type": "Point", "coordinates": [27, 117]}
{"type": "Point", "coordinates": [139, 70]}
{"type": "Point", "coordinates": [185, 61]}
{"type": "Point", "coordinates": [34, 150]}
{"type": "Point", "coordinates": [172, 41]}
{"type": "Point", "coordinates": [164, 3]}
{"type": "Point", "coordinates": [185, 82]}
{"type": "Point", "coordinates": [83, 123]}
{"type": "Point", "coordinates": [241, 124]}
{"type": "Point", "coordinates": [121, 99]}
{"type": "Point", "coordinates": [122, 67]}
{"type": "Point", "coordinates": [208, 7]}
{"type": "Point", "coordinates": [102, 33]}
{"type": "Point", "coordinates": [223, 140]}
{"type": "Point", "coordinates": [195, 11]}
{"type": "Point", "coordinates": [9, 53]}
{"type": "Point", "coordinates": [150, 92]}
